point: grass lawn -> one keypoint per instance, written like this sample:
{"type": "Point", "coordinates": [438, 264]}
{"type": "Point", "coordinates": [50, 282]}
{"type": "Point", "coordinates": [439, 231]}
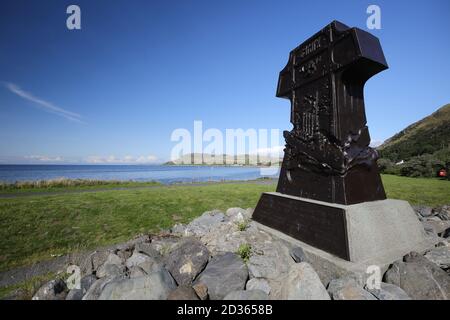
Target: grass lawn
{"type": "Point", "coordinates": [37, 227]}
{"type": "Point", "coordinates": [65, 185]}
{"type": "Point", "coordinates": [429, 192]}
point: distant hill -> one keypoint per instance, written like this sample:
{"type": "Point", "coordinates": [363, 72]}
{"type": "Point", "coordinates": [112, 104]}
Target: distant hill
{"type": "Point", "coordinates": [427, 136]}
{"type": "Point", "coordinates": [208, 159]}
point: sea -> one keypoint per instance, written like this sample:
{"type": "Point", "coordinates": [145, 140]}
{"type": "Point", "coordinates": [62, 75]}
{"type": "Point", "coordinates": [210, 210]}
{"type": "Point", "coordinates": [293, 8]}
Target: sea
{"type": "Point", "coordinates": [161, 173]}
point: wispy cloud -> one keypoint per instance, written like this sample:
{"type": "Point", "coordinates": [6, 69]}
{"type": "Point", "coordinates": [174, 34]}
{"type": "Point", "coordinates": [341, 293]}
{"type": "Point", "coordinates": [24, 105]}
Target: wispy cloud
{"type": "Point", "coordinates": [122, 160]}
{"type": "Point", "coordinates": [42, 104]}
{"type": "Point", "coordinates": [44, 158]}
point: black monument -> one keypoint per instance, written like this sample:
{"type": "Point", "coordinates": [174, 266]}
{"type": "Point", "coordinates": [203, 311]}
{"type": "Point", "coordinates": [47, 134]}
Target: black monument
{"type": "Point", "coordinates": [327, 156]}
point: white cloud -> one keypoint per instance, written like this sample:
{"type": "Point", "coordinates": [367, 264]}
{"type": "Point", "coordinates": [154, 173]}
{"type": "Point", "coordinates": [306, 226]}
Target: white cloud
{"type": "Point", "coordinates": [124, 160]}
{"type": "Point", "coordinates": [44, 105]}
{"type": "Point", "coordinates": [44, 158]}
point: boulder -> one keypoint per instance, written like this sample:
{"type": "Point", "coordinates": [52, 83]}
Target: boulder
{"type": "Point", "coordinates": [443, 212]}
{"type": "Point", "coordinates": [258, 284]}
{"type": "Point", "coordinates": [130, 245]}
{"type": "Point", "coordinates": [149, 250]}
{"type": "Point", "coordinates": [144, 262]}
{"type": "Point", "coordinates": [178, 229]}
{"type": "Point", "coordinates": [155, 286]}
{"type": "Point", "coordinates": [164, 244]}
{"type": "Point", "coordinates": [271, 261]}
{"type": "Point", "coordinates": [247, 295]}
{"type": "Point", "coordinates": [98, 258]}
{"type": "Point", "coordinates": [97, 287]}
{"type": "Point", "coordinates": [183, 293]}
{"type": "Point", "coordinates": [237, 215]}
{"type": "Point", "coordinates": [203, 224]}
{"type": "Point", "coordinates": [389, 291]}
{"type": "Point", "coordinates": [436, 226]}
{"type": "Point", "coordinates": [419, 278]}
{"type": "Point", "coordinates": [303, 283]}
{"type": "Point", "coordinates": [112, 267]}
{"type": "Point", "coordinates": [348, 289]}
{"type": "Point", "coordinates": [440, 256]}
{"type": "Point", "coordinates": [85, 283]}
{"type": "Point", "coordinates": [136, 272]}
{"type": "Point", "coordinates": [423, 211]}
{"type": "Point", "coordinates": [187, 260]}
{"type": "Point", "coordinates": [223, 274]}
{"type": "Point", "coordinates": [93, 262]}
{"type": "Point", "coordinates": [52, 290]}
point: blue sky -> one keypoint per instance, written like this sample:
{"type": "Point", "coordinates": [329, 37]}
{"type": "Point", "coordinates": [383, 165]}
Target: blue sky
{"type": "Point", "coordinates": [137, 70]}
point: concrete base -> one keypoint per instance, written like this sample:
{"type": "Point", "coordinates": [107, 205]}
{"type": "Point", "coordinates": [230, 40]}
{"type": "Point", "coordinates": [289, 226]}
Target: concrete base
{"type": "Point", "coordinates": [378, 233]}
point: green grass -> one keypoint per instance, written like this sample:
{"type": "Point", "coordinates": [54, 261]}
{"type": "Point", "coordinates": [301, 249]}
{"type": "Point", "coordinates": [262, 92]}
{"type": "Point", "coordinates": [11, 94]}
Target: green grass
{"type": "Point", "coordinates": [244, 251]}
{"type": "Point", "coordinates": [37, 227]}
{"type": "Point", "coordinates": [62, 185]}
{"type": "Point", "coordinates": [429, 192]}
{"type": "Point", "coordinates": [25, 290]}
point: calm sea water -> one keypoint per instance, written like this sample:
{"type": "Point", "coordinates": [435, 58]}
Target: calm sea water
{"type": "Point", "coordinates": [164, 174]}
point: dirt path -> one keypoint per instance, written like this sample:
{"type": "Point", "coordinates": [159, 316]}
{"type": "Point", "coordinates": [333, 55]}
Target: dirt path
{"type": "Point", "coordinates": [55, 193]}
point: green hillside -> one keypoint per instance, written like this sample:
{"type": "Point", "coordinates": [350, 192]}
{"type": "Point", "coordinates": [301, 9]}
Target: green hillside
{"type": "Point", "coordinates": [423, 148]}
{"type": "Point", "coordinates": [426, 136]}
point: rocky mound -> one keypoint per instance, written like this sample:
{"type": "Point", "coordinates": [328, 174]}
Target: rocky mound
{"type": "Point", "coordinates": [226, 256]}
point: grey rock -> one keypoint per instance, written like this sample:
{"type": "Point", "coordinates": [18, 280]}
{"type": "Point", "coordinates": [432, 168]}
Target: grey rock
{"type": "Point", "coordinates": [271, 261]}
{"type": "Point", "coordinates": [348, 289]}
{"type": "Point", "coordinates": [98, 258]}
{"type": "Point", "coordinates": [443, 212]}
{"type": "Point", "coordinates": [439, 256]}
{"type": "Point", "coordinates": [52, 290]}
{"type": "Point", "coordinates": [258, 284]}
{"type": "Point", "coordinates": [93, 262]}
{"type": "Point", "coordinates": [85, 283]}
{"type": "Point", "coordinates": [389, 291]}
{"type": "Point", "coordinates": [164, 244]}
{"type": "Point", "coordinates": [110, 270]}
{"type": "Point", "coordinates": [239, 214]}
{"type": "Point", "coordinates": [203, 224]}
{"type": "Point", "coordinates": [303, 283]}
{"type": "Point", "coordinates": [97, 287]}
{"type": "Point", "coordinates": [187, 260]}
{"type": "Point", "coordinates": [113, 266]}
{"type": "Point", "coordinates": [130, 245]}
{"type": "Point", "coordinates": [149, 250]}
{"type": "Point", "coordinates": [419, 278]}
{"type": "Point", "coordinates": [136, 272]}
{"type": "Point", "coordinates": [224, 274]}
{"type": "Point", "coordinates": [443, 243]}
{"type": "Point", "coordinates": [436, 226]}
{"type": "Point", "coordinates": [124, 254]}
{"type": "Point", "coordinates": [297, 254]}
{"type": "Point", "coordinates": [155, 286]}
{"type": "Point", "coordinates": [183, 293]}
{"type": "Point", "coordinates": [423, 211]}
{"type": "Point", "coordinates": [75, 294]}
{"type": "Point", "coordinates": [178, 229]}
{"type": "Point", "coordinates": [137, 259]}
{"type": "Point", "coordinates": [247, 295]}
